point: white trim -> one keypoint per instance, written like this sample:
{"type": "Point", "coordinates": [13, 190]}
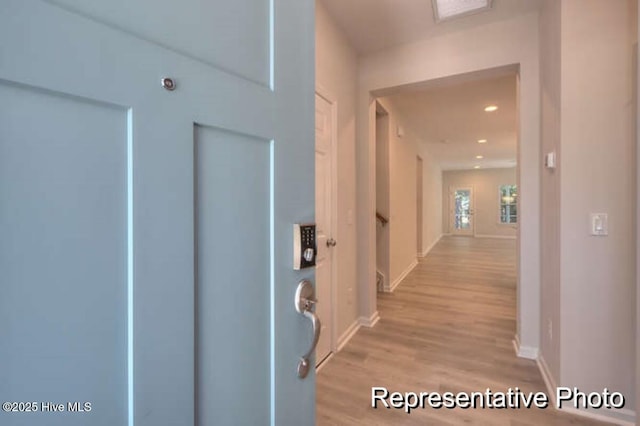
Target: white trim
{"type": "Point", "coordinates": [502, 237]}
{"type": "Point", "coordinates": [348, 334]}
{"type": "Point", "coordinates": [547, 377]}
{"type": "Point", "coordinates": [526, 352]}
{"type": "Point", "coordinates": [402, 276]}
{"type": "Point", "coordinates": [623, 416]}
{"type": "Point", "coordinates": [371, 321]}
{"type": "Point", "coordinates": [324, 362]}
{"type": "Point", "coordinates": [332, 100]}
{"type": "Point", "coordinates": [426, 252]}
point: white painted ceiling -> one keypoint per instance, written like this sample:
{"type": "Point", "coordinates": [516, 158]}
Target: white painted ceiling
{"type": "Point", "coordinates": [372, 25]}
{"type": "Point", "coordinates": [451, 118]}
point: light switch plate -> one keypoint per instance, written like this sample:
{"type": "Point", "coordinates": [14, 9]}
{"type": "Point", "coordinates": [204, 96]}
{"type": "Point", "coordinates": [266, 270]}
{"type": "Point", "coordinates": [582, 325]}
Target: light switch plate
{"type": "Point", "coordinates": [599, 224]}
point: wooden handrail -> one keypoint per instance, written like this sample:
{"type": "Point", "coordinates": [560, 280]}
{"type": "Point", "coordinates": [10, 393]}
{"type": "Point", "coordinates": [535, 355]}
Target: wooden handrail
{"type": "Point", "coordinates": [383, 220]}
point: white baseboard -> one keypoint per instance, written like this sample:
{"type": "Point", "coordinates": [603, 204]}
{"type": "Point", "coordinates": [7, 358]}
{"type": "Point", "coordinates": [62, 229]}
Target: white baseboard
{"type": "Point", "coordinates": [324, 362]}
{"type": "Point", "coordinates": [353, 329]}
{"type": "Point", "coordinates": [547, 377]}
{"type": "Point", "coordinates": [371, 321]}
{"type": "Point", "coordinates": [426, 252]}
{"type": "Point", "coordinates": [527, 352]}
{"type": "Point", "coordinates": [622, 416]}
{"type": "Point", "coordinates": [348, 334]}
{"type": "Point", "coordinates": [402, 276]}
{"type": "Point", "coordinates": [501, 237]}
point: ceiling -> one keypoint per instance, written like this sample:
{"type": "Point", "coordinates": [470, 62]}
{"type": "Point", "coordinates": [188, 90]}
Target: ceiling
{"type": "Point", "coordinates": [448, 115]}
{"type": "Point", "coordinates": [450, 119]}
{"type": "Point", "coordinates": [372, 25]}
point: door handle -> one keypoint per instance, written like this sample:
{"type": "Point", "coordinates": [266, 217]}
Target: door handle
{"type": "Point", "coordinates": [331, 242]}
{"type": "Point", "coordinates": [304, 302]}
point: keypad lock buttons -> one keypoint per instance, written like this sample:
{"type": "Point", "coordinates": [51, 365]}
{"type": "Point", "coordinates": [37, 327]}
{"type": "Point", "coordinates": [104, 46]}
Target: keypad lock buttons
{"type": "Point", "coordinates": [305, 248]}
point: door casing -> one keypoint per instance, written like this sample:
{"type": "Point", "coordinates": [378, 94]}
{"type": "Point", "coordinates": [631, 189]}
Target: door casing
{"type": "Point", "coordinates": [334, 252]}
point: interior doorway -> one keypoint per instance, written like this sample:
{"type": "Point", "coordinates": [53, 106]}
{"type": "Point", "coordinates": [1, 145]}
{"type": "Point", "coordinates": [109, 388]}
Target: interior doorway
{"type": "Point", "coordinates": [481, 149]}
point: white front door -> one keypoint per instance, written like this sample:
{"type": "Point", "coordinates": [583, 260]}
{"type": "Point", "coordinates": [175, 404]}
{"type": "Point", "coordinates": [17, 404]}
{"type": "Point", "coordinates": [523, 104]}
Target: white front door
{"type": "Point", "coordinates": [461, 210]}
{"type": "Point", "coordinates": [154, 155]}
{"type": "Point", "coordinates": [324, 222]}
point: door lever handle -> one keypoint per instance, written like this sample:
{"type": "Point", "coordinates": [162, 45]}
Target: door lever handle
{"type": "Point", "coordinates": [304, 303]}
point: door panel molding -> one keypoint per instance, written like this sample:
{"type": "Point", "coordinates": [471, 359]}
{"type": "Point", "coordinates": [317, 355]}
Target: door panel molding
{"type": "Point", "coordinates": [63, 52]}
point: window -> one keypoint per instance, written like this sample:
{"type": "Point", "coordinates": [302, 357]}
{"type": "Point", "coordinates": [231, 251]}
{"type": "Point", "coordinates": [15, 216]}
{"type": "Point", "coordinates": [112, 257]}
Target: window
{"type": "Point", "coordinates": [508, 204]}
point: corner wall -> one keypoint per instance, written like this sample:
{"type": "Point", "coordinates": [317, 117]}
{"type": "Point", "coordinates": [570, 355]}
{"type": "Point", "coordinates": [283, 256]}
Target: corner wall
{"type": "Point", "coordinates": [598, 175]}
{"type": "Point", "coordinates": [550, 202]}
{"type": "Point", "coordinates": [336, 73]}
{"type": "Point", "coordinates": [588, 118]}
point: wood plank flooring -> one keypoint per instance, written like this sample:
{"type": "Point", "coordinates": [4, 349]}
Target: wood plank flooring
{"type": "Point", "coordinates": [448, 326]}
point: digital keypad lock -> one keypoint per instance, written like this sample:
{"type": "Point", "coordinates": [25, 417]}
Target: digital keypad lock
{"type": "Point", "coordinates": [305, 248]}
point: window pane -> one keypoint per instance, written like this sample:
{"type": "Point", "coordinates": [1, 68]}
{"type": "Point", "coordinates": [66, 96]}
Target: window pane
{"type": "Point", "coordinates": [508, 204]}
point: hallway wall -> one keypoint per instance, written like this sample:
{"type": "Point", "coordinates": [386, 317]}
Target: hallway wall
{"type": "Point", "coordinates": [550, 61]}
{"type": "Point", "coordinates": [597, 176]}
{"type": "Point", "coordinates": [588, 118]}
{"type": "Point", "coordinates": [402, 195]}
{"type": "Point", "coordinates": [336, 70]}
{"type": "Point", "coordinates": [402, 153]}
{"type": "Point", "coordinates": [432, 200]}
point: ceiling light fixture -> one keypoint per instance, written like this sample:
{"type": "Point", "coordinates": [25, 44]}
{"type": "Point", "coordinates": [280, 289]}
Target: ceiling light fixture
{"type": "Point", "coordinates": [479, 157]}
{"type": "Point", "coordinates": [448, 9]}
{"type": "Point", "coordinates": [482, 141]}
{"type": "Point", "coordinates": [491, 108]}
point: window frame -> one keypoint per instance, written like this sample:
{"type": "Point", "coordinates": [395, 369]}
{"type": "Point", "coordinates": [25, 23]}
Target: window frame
{"type": "Point", "coordinates": [501, 204]}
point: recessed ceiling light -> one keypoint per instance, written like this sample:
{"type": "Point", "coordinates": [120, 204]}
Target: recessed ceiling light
{"type": "Point", "coordinates": [491, 108]}
{"type": "Point", "coordinates": [447, 9]}
{"type": "Point", "coordinates": [476, 167]}
{"type": "Point", "coordinates": [482, 141]}
{"type": "Point", "coordinates": [479, 157]}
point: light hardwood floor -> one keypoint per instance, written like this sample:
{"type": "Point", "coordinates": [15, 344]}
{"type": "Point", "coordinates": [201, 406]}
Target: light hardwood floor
{"type": "Point", "coordinates": [448, 326]}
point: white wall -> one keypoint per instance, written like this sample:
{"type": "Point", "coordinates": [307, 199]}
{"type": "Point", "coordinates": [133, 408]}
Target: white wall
{"type": "Point", "coordinates": [598, 175]}
{"type": "Point", "coordinates": [431, 199]}
{"type": "Point", "coordinates": [396, 242]}
{"type": "Point", "coordinates": [382, 197]}
{"type": "Point", "coordinates": [588, 117]}
{"type": "Point", "coordinates": [637, 208]}
{"type": "Point", "coordinates": [550, 87]}
{"type": "Point", "coordinates": [402, 194]}
{"type": "Point", "coordinates": [493, 45]}
{"type": "Point", "coordinates": [486, 203]}
{"type": "Point", "coordinates": [336, 73]}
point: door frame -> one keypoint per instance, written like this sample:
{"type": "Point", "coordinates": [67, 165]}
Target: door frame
{"type": "Point", "coordinates": [332, 100]}
{"type": "Point", "coordinates": [419, 205]}
{"type": "Point", "coordinates": [452, 190]}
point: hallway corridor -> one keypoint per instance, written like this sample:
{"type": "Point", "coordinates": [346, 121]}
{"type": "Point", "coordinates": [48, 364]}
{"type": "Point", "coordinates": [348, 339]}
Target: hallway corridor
{"type": "Point", "coordinates": [449, 326]}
